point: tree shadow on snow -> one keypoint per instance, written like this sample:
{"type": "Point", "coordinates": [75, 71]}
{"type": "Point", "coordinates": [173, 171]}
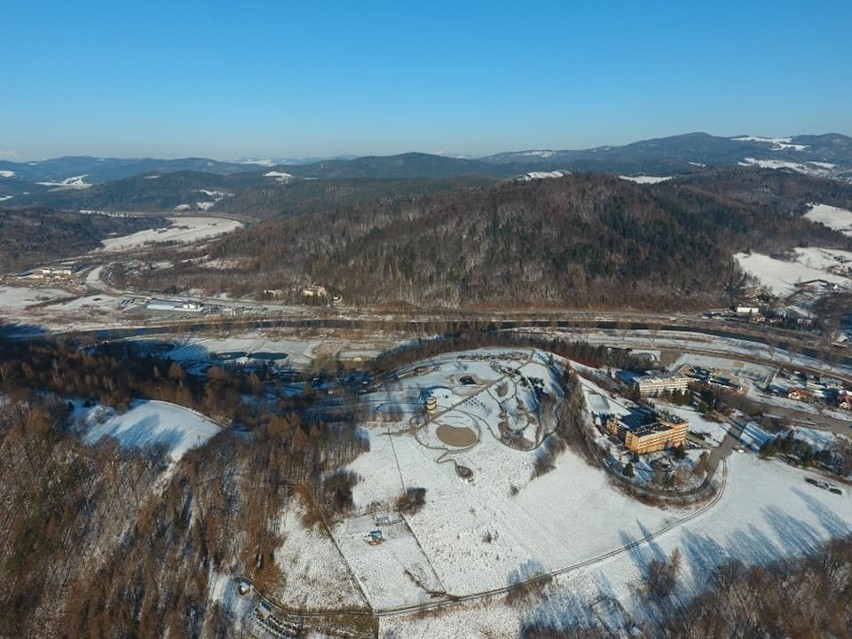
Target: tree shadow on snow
{"type": "Point", "coordinates": [795, 535]}
{"type": "Point", "coordinates": [752, 546]}
{"type": "Point", "coordinates": [562, 611]}
{"type": "Point", "coordinates": [833, 524]}
{"type": "Point", "coordinates": [702, 554]}
{"type": "Point", "coordinates": [642, 549]}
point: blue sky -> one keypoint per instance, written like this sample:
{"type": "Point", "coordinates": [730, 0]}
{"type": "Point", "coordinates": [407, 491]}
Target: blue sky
{"type": "Point", "coordinates": [287, 79]}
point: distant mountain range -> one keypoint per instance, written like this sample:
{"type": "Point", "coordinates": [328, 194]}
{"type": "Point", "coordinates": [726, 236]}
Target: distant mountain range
{"type": "Point", "coordinates": [680, 152]}
{"type": "Point", "coordinates": [88, 182]}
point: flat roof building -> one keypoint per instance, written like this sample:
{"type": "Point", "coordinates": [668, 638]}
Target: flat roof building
{"type": "Point", "coordinates": [175, 306]}
{"type": "Point", "coordinates": [668, 433]}
{"type": "Point", "coordinates": [656, 384]}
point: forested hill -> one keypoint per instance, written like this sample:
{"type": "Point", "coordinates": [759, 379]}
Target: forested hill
{"type": "Point", "coordinates": [582, 240]}
{"type": "Point", "coordinates": [30, 237]}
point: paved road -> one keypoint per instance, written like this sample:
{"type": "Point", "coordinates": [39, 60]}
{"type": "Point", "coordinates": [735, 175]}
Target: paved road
{"type": "Point", "coordinates": [720, 453]}
{"type": "Point", "coordinates": [818, 421]}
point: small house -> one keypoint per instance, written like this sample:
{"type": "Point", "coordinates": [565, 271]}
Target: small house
{"type": "Point", "coordinates": [264, 610]}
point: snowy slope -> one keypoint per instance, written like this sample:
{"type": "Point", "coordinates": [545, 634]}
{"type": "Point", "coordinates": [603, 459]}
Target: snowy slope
{"type": "Point", "coordinates": [646, 179]}
{"type": "Point", "coordinates": [767, 512]}
{"type": "Point", "coordinates": [781, 276]}
{"type": "Point", "coordinates": [182, 229]}
{"type": "Point", "coordinates": [151, 423]}
{"type": "Point", "coordinates": [75, 182]}
{"type": "Point", "coordinates": [832, 217]}
{"type": "Point", "coordinates": [778, 144]}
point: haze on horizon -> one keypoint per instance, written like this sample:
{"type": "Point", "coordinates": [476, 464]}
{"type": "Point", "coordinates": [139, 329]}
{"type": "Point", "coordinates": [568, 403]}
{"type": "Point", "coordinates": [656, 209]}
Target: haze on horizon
{"type": "Point", "coordinates": [280, 79]}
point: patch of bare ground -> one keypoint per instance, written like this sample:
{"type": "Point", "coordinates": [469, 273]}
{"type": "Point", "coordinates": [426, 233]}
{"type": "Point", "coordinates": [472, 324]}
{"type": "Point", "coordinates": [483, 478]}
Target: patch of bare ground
{"type": "Point", "coordinates": [458, 437]}
{"type": "Point", "coordinates": [349, 625]}
{"type": "Point", "coordinates": [529, 591]}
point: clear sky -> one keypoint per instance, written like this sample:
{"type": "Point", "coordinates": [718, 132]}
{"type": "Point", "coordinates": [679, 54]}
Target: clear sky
{"type": "Point", "coordinates": [316, 78]}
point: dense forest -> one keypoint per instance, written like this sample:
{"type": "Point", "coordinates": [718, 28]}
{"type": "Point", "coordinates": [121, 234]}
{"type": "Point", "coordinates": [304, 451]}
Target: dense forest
{"type": "Point", "coordinates": [107, 542]}
{"type": "Point", "coordinates": [302, 197]}
{"type": "Point", "coordinates": [583, 240]}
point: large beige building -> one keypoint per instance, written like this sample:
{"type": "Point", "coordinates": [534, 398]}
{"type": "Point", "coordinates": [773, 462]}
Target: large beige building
{"type": "Point", "coordinates": [669, 433]}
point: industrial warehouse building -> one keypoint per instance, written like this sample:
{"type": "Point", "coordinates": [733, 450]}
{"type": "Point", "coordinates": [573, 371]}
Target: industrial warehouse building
{"type": "Point", "coordinates": [175, 306]}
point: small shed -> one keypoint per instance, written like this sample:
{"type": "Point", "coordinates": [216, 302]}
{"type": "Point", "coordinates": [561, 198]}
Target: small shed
{"type": "Point", "coordinates": [264, 610]}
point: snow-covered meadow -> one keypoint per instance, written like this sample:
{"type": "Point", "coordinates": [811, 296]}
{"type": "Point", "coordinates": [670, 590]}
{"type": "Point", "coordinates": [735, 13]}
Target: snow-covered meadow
{"type": "Point", "coordinates": [149, 423]}
{"type": "Point", "coordinates": [781, 277]}
{"type": "Point", "coordinates": [500, 527]}
{"type": "Point", "coordinates": [183, 230]}
{"type": "Point", "coordinates": [646, 179]}
{"type": "Point", "coordinates": [767, 511]}
{"type": "Point", "coordinates": [492, 530]}
{"type": "Point", "coordinates": [832, 217]}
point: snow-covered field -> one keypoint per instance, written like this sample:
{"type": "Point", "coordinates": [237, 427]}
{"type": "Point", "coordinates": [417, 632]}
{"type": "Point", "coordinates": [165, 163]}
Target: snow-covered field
{"type": "Point", "coordinates": [778, 144]}
{"type": "Point", "coordinates": [501, 527]}
{"type": "Point", "coordinates": [832, 217]}
{"type": "Point", "coordinates": [15, 299]}
{"type": "Point", "coordinates": [182, 230]}
{"type": "Point", "coordinates": [316, 574]}
{"type": "Point", "coordinates": [241, 348]}
{"type": "Point", "coordinates": [767, 511]}
{"type": "Point", "coordinates": [150, 423]}
{"type": "Point", "coordinates": [277, 347]}
{"type": "Point", "coordinates": [279, 176]}
{"type": "Point", "coordinates": [808, 168]}
{"type": "Point", "coordinates": [646, 179]}
{"type": "Point", "coordinates": [543, 175]}
{"type": "Point", "coordinates": [76, 182]}
{"type": "Point", "coordinates": [781, 276]}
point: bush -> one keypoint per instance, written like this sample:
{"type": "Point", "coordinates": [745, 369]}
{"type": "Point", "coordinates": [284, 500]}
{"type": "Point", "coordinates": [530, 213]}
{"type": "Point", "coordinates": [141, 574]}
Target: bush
{"type": "Point", "coordinates": [662, 575]}
{"type": "Point", "coordinates": [337, 491]}
{"type": "Point", "coordinates": [411, 501]}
